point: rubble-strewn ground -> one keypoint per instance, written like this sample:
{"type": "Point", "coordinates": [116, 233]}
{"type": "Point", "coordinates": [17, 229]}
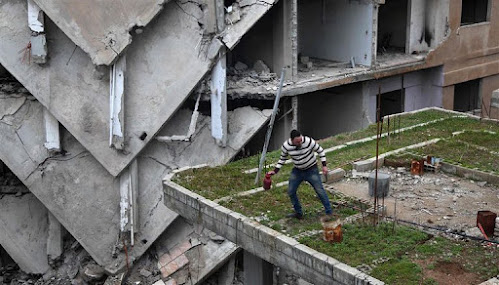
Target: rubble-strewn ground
{"type": "Point", "coordinates": [435, 199]}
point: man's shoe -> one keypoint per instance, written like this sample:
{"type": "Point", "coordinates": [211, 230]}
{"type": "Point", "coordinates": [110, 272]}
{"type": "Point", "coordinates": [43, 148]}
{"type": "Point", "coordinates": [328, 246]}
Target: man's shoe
{"type": "Point", "coordinates": [295, 215]}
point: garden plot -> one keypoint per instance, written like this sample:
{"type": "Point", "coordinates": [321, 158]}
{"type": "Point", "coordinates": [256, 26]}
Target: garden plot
{"type": "Point", "coordinates": [434, 199]}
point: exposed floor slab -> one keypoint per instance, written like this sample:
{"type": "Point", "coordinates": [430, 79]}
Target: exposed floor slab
{"type": "Point", "coordinates": [324, 74]}
{"type": "Point", "coordinates": [24, 231]}
{"type": "Point", "coordinates": [101, 28]}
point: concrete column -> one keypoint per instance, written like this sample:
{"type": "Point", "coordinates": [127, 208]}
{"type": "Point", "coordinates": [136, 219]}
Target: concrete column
{"type": "Point", "coordinates": [117, 103]}
{"type": "Point", "coordinates": [374, 37]}
{"type": "Point", "coordinates": [52, 136]}
{"type": "Point", "coordinates": [219, 100]}
{"type": "Point", "coordinates": [128, 204]}
{"type": "Point", "coordinates": [294, 38]}
{"type": "Point", "coordinates": [294, 106]}
{"type": "Point", "coordinates": [283, 38]}
{"type": "Point", "coordinates": [257, 271]}
{"type": "Point", "coordinates": [55, 244]}
{"type": "Point", "coordinates": [38, 41]}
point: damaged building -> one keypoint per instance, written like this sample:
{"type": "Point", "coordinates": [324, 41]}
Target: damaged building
{"type": "Point", "coordinates": [100, 100]}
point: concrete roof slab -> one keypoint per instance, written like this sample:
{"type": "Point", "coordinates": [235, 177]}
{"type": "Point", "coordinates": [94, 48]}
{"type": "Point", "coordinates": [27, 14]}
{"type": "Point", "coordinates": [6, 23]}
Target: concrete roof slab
{"type": "Point", "coordinates": [101, 28]}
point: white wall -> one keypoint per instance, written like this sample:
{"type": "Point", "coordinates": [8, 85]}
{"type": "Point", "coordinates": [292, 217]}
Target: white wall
{"type": "Point", "coordinates": [342, 30]}
{"type": "Point", "coordinates": [428, 24]}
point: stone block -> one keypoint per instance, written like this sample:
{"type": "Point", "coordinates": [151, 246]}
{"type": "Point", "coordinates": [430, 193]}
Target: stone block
{"type": "Point", "coordinates": [344, 274]}
{"type": "Point", "coordinates": [285, 245]}
{"type": "Point", "coordinates": [303, 255]}
{"type": "Point", "coordinates": [335, 175]}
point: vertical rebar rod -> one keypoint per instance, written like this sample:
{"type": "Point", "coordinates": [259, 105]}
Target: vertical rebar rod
{"type": "Point", "coordinates": [378, 115]}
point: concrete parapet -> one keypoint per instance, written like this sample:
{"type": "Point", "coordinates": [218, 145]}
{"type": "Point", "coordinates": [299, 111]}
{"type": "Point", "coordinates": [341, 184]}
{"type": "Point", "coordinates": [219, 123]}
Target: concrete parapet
{"type": "Point", "coordinates": [469, 173]}
{"type": "Point", "coordinates": [261, 241]}
{"type": "Point", "coordinates": [367, 165]}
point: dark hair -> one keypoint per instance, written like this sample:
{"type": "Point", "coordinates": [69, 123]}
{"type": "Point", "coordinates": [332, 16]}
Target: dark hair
{"type": "Point", "coordinates": [294, 134]}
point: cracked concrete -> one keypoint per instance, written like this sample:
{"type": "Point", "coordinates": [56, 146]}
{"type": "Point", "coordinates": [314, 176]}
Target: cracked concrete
{"type": "Point", "coordinates": [164, 64]}
{"type": "Point", "coordinates": [101, 28]}
{"type": "Point", "coordinates": [81, 192]}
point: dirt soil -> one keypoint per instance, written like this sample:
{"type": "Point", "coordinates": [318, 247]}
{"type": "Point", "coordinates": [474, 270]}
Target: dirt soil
{"type": "Point", "coordinates": [434, 199]}
{"type": "Point", "coordinates": [448, 273]}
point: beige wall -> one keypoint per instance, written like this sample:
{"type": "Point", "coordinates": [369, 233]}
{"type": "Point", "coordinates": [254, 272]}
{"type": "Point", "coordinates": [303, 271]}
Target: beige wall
{"type": "Point", "coordinates": [470, 52]}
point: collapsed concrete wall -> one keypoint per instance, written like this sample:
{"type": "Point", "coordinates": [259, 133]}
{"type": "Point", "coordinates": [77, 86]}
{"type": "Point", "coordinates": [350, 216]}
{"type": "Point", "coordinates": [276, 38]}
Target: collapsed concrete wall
{"type": "Point", "coordinates": [82, 195]}
{"type": "Point", "coordinates": [164, 64]}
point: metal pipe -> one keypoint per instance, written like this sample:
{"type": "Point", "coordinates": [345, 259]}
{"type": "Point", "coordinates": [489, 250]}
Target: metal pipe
{"type": "Point", "coordinates": [271, 125]}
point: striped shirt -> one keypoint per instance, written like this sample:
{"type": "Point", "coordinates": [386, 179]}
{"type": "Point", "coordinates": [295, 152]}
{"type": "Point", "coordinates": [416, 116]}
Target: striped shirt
{"type": "Point", "coordinates": [303, 156]}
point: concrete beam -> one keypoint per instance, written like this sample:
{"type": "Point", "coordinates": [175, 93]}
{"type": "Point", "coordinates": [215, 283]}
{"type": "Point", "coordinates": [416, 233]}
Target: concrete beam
{"type": "Point", "coordinates": [261, 241]}
{"type": "Point", "coordinates": [38, 43]}
{"type": "Point", "coordinates": [24, 232]}
{"type": "Point", "coordinates": [219, 100]}
{"type": "Point", "coordinates": [52, 136]}
{"type": "Point", "coordinates": [117, 104]}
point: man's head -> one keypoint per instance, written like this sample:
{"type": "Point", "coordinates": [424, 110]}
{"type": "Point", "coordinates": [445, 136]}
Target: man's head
{"type": "Point", "coordinates": [295, 138]}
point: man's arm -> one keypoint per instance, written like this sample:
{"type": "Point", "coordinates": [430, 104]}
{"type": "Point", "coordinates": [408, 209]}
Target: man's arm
{"type": "Point", "coordinates": [280, 163]}
{"type": "Point", "coordinates": [322, 155]}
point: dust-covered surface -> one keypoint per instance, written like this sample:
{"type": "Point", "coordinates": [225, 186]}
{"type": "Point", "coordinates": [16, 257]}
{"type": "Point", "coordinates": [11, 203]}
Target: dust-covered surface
{"type": "Point", "coordinates": [434, 199]}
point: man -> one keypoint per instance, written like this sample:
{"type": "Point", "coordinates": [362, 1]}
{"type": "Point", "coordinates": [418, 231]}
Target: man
{"type": "Point", "coordinates": [302, 150]}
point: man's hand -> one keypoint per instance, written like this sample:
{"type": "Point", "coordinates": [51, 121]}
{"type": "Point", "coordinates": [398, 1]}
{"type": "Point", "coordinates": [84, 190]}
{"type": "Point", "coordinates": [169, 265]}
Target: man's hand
{"type": "Point", "coordinates": [272, 172]}
{"type": "Point", "coordinates": [324, 170]}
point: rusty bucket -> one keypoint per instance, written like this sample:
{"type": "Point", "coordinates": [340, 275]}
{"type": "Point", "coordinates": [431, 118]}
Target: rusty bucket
{"type": "Point", "coordinates": [332, 230]}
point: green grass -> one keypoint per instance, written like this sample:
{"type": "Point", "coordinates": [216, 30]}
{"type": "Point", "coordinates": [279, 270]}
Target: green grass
{"type": "Point", "coordinates": [404, 248]}
{"type": "Point", "coordinates": [401, 271]}
{"type": "Point", "coordinates": [226, 180]}
{"type": "Point", "coordinates": [363, 243]}
{"type": "Point", "coordinates": [272, 206]}
{"type": "Point", "coordinates": [482, 139]}
{"type": "Point", "coordinates": [459, 153]}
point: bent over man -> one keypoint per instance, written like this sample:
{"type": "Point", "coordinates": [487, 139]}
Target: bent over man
{"type": "Point", "coordinates": [302, 151]}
